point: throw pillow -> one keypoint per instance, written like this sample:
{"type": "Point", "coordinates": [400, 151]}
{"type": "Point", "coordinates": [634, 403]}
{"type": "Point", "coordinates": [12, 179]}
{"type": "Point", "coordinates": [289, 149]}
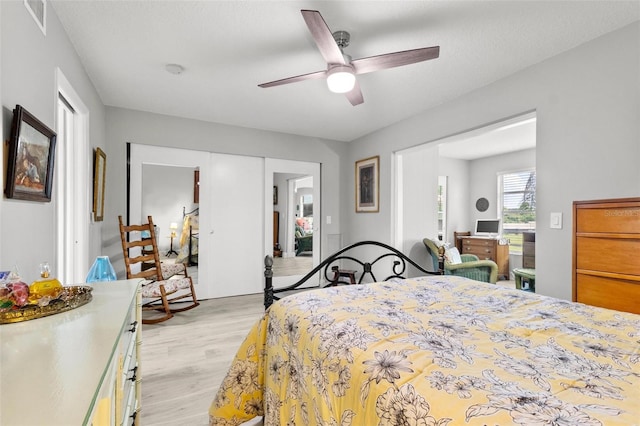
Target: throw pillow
{"type": "Point", "coordinates": [452, 256]}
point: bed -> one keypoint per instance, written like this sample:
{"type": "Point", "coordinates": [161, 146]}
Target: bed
{"type": "Point", "coordinates": [432, 350]}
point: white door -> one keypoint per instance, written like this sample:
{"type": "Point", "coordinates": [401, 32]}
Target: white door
{"type": "Point", "coordinates": [302, 168]}
{"type": "Point", "coordinates": [237, 224]}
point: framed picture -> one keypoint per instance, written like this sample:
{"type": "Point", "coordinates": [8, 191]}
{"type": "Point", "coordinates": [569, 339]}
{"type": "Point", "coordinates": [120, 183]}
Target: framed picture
{"type": "Point", "coordinates": [275, 195]}
{"type": "Point", "coordinates": [99, 179]}
{"type": "Point", "coordinates": [30, 158]}
{"type": "Point", "coordinates": [368, 185]}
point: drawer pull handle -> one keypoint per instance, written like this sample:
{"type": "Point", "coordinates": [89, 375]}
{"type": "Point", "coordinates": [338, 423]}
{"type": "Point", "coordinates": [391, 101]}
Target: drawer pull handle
{"type": "Point", "coordinates": [134, 326]}
{"type": "Point", "coordinates": [134, 370]}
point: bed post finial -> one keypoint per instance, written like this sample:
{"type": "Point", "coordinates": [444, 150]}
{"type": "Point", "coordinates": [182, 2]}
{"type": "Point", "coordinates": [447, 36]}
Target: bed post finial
{"type": "Point", "coordinates": [268, 284]}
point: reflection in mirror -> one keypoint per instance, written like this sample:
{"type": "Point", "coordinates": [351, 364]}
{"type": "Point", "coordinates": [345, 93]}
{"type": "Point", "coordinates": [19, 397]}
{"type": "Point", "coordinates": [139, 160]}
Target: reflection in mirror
{"type": "Point", "coordinates": [292, 224]}
{"type": "Point", "coordinates": [168, 197]}
{"type": "Point", "coordinates": [442, 208]}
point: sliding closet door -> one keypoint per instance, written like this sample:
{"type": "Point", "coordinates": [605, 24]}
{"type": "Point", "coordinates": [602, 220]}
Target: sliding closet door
{"type": "Point", "coordinates": [237, 225]}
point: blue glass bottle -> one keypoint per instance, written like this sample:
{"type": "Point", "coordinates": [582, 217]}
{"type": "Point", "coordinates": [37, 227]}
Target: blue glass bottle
{"type": "Point", "coordinates": [101, 271]}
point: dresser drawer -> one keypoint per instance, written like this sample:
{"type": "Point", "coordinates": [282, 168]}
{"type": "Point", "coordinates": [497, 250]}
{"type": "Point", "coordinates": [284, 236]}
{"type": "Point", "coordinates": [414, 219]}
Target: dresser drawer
{"type": "Point", "coordinates": [608, 255]}
{"type": "Point", "coordinates": [529, 262]}
{"type": "Point", "coordinates": [610, 293]}
{"type": "Point", "coordinates": [619, 218]}
{"type": "Point", "coordinates": [484, 249]}
{"type": "Point", "coordinates": [478, 242]}
{"type": "Point", "coordinates": [481, 252]}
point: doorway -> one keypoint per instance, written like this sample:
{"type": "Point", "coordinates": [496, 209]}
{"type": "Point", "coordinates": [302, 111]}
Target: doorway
{"type": "Point", "coordinates": [468, 164]}
{"type": "Point", "coordinates": [72, 193]}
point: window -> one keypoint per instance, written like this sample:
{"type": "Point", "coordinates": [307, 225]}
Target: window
{"type": "Point", "coordinates": [518, 201]}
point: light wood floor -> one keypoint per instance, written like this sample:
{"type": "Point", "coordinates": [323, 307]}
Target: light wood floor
{"type": "Point", "coordinates": [185, 358]}
{"type": "Point", "coordinates": [298, 265]}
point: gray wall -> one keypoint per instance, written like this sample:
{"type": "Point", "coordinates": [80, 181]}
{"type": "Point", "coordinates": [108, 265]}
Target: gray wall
{"type": "Point", "coordinates": [28, 64]}
{"type": "Point", "coordinates": [588, 135]}
{"type": "Point", "coordinates": [153, 129]}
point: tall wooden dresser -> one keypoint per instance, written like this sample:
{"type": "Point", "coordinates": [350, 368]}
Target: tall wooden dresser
{"type": "Point", "coordinates": [488, 248]}
{"type": "Point", "coordinates": [529, 250]}
{"type": "Point", "coordinates": [606, 253]}
{"type": "Point", "coordinates": [80, 367]}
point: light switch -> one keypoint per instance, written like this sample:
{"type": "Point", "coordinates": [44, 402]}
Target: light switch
{"type": "Point", "coordinates": [556, 220]}
{"type": "Point", "coordinates": [328, 220]}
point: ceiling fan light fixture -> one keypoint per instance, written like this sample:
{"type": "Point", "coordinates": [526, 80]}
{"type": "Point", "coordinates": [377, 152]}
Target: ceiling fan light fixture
{"type": "Point", "coordinates": [341, 79]}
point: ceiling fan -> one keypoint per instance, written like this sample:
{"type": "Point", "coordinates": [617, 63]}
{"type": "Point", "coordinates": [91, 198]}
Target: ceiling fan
{"type": "Point", "coordinates": [341, 70]}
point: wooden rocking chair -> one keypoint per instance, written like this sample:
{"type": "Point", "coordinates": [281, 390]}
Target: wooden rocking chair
{"type": "Point", "coordinates": [162, 279]}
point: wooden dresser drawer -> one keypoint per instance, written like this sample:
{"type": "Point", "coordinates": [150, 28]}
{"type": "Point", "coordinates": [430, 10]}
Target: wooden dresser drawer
{"type": "Point", "coordinates": [616, 255]}
{"type": "Point", "coordinates": [610, 293]}
{"type": "Point", "coordinates": [481, 252]}
{"type": "Point", "coordinates": [617, 218]}
{"type": "Point", "coordinates": [483, 248]}
{"type": "Point", "coordinates": [529, 262]}
{"type": "Point", "coordinates": [478, 242]}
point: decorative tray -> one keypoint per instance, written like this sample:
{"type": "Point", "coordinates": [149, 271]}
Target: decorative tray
{"type": "Point", "coordinates": [71, 297]}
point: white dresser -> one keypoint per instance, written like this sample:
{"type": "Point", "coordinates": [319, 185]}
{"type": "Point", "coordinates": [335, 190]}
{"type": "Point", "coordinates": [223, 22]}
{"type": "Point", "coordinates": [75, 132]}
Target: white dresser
{"type": "Point", "coordinates": [77, 367]}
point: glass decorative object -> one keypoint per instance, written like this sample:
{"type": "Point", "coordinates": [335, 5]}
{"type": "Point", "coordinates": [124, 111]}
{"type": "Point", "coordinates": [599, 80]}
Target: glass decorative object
{"type": "Point", "coordinates": [102, 270]}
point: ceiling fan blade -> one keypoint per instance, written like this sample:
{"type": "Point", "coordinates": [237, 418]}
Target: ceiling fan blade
{"type": "Point", "coordinates": [310, 76]}
{"type": "Point", "coordinates": [355, 95]}
{"type": "Point", "coordinates": [323, 37]}
{"type": "Point", "coordinates": [396, 59]}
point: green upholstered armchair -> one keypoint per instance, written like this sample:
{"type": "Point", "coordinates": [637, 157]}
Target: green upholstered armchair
{"type": "Point", "coordinates": [470, 267]}
{"type": "Point", "coordinates": [304, 240]}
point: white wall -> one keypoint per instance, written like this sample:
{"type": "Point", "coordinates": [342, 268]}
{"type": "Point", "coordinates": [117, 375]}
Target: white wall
{"type": "Point", "coordinates": [458, 182]}
{"type": "Point", "coordinates": [28, 63]}
{"type": "Point", "coordinates": [587, 108]}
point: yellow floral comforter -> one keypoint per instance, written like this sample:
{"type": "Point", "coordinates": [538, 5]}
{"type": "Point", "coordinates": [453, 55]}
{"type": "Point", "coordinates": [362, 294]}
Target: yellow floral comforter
{"type": "Point", "coordinates": [434, 351]}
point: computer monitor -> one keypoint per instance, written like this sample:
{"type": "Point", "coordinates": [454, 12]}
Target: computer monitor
{"type": "Point", "coordinates": [488, 227]}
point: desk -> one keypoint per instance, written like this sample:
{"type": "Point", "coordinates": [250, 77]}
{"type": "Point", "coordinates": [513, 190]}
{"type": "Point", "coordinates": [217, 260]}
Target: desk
{"type": "Point", "coordinates": [488, 248]}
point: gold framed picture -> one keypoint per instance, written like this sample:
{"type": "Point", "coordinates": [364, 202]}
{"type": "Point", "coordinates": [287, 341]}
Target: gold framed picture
{"type": "Point", "coordinates": [30, 158]}
{"type": "Point", "coordinates": [99, 180]}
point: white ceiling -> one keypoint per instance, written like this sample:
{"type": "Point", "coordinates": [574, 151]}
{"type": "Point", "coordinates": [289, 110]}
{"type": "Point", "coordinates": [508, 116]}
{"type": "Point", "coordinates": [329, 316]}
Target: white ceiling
{"type": "Point", "coordinates": [515, 134]}
{"type": "Point", "coordinates": [228, 47]}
